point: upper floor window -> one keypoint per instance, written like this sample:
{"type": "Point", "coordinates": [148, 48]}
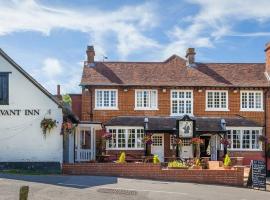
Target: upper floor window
{"type": "Point", "coordinates": [146, 99]}
{"type": "Point", "coordinates": [216, 100]}
{"type": "Point", "coordinates": [251, 101]}
{"type": "Point", "coordinates": [106, 99]}
{"type": "Point", "coordinates": [244, 138]}
{"type": "Point", "coordinates": [4, 88]}
{"type": "Point", "coordinates": [181, 102]}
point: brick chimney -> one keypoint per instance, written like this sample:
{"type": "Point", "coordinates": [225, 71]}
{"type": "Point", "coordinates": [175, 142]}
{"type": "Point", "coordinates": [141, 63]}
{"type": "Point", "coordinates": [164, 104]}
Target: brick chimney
{"type": "Point", "coordinates": [190, 56]}
{"type": "Point", "coordinates": [267, 57]}
{"type": "Point", "coordinates": [90, 52]}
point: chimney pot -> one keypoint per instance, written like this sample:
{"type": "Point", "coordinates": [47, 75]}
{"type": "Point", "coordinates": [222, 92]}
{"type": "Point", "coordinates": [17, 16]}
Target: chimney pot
{"type": "Point", "coordinates": [190, 56]}
{"type": "Point", "coordinates": [58, 90]}
{"type": "Point", "coordinates": [90, 52]}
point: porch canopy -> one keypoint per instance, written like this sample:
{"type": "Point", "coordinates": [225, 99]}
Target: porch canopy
{"type": "Point", "coordinates": [168, 124]}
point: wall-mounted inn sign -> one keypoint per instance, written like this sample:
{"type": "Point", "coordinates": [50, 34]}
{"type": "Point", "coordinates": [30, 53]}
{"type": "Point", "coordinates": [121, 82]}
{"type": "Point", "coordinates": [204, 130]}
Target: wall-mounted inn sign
{"type": "Point", "coordinates": [186, 127]}
{"type": "Point", "coordinates": [19, 112]}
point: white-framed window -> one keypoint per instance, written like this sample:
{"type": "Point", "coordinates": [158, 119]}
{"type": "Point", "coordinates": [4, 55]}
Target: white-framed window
{"type": "Point", "coordinates": [217, 100]}
{"type": "Point", "coordinates": [171, 141]}
{"type": "Point", "coordinates": [106, 99]}
{"type": "Point", "coordinates": [251, 100]}
{"type": "Point", "coordinates": [146, 99]}
{"type": "Point", "coordinates": [244, 138]}
{"type": "Point", "coordinates": [181, 102]}
{"type": "Point", "coordinates": [85, 139]}
{"type": "Point", "coordinates": [125, 138]}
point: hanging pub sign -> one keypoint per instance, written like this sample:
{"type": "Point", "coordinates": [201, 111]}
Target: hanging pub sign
{"type": "Point", "coordinates": [257, 174]}
{"type": "Point", "coordinates": [186, 127]}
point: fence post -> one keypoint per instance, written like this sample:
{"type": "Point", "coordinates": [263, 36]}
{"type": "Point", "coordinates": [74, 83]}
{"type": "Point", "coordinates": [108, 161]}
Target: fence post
{"type": "Point", "coordinates": [24, 192]}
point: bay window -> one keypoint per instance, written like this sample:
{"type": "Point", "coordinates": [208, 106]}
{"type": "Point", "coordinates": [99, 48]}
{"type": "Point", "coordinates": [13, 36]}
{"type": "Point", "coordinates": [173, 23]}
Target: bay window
{"type": "Point", "coordinates": [181, 102]}
{"type": "Point", "coordinates": [126, 138]}
{"type": "Point", "coordinates": [146, 99]}
{"type": "Point", "coordinates": [244, 138]}
{"type": "Point", "coordinates": [251, 100]}
{"type": "Point", "coordinates": [106, 99]}
{"type": "Point", "coordinates": [216, 100]}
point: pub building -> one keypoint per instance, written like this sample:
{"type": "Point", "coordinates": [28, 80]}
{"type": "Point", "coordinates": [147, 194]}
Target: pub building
{"type": "Point", "coordinates": [176, 98]}
{"type": "Point", "coordinates": [24, 104]}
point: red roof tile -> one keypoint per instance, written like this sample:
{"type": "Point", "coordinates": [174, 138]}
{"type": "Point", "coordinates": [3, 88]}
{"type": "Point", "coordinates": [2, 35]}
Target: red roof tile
{"type": "Point", "coordinates": [174, 72]}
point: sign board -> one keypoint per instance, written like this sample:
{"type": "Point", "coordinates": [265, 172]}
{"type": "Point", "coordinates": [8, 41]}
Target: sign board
{"type": "Point", "coordinates": [186, 127]}
{"type": "Point", "coordinates": [257, 174]}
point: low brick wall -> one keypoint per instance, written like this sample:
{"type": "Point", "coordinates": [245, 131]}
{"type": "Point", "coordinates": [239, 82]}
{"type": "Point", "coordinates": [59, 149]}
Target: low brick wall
{"type": "Point", "coordinates": [233, 177]}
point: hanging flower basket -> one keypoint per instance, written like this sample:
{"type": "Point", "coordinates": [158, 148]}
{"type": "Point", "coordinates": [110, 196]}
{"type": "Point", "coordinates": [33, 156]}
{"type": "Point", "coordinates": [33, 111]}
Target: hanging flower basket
{"type": "Point", "coordinates": [67, 127]}
{"type": "Point", "coordinates": [225, 142]}
{"type": "Point", "coordinates": [47, 125]}
{"type": "Point", "coordinates": [262, 138]}
{"type": "Point", "coordinates": [148, 139]}
{"type": "Point", "coordinates": [196, 140]}
{"type": "Point", "coordinates": [106, 135]}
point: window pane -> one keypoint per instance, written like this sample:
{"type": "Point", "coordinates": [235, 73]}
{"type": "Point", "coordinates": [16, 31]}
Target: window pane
{"type": "Point", "coordinates": [188, 107]}
{"type": "Point", "coordinates": [131, 138]}
{"type": "Point", "coordinates": [258, 100]}
{"type": "Point", "coordinates": [153, 99]}
{"type": "Point", "coordinates": [121, 138]}
{"type": "Point", "coordinates": [236, 139]}
{"type": "Point", "coordinates": [139, 99]}
{"type": "Point", "coordinates": [99, 98]}
{"type": "Point", "coordinates": [174, 106]}
{"type": "Point", "coordinates": [210, 100]}
{"type": "Point", "coordinates": [174, 94]}
{"type": "Point", "coordinates": [244, 100]}
{"type": "Point", "coordinates": [216, 99]}
{"type": "Point", "coordinates": [251, 100]}
{"type": "Point", "coordinates": [223, 100]}
{"type": "Point", "coordinates": [113, 99]}
{"type": "Point", "coordinates": [106, 99]}
{"type": "Point", "coordinates": [229, 136]}
{"type": "Point", "coordinates": [246, 139]}
{"type": "Point", "coordinates": [145, 99]}
{"type": "Point", "coordinates": [3, 89]}
{"type": "Point", "coordinates": [254, 139]}
{"type": "Point", "coordinates": [140, 136]}
{"type": "Point", "coordinates": [181, 107]}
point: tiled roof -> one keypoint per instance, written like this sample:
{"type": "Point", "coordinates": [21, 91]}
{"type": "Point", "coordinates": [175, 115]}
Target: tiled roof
{"type": "Point", "coordinates": [174, 72]}
{"type": "Point", "coordinates": [167, 124]}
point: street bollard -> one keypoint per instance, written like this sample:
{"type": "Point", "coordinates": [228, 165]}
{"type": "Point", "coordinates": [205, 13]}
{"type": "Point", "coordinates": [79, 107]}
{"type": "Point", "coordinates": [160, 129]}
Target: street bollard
{"type": "Point", "coordinates": [24, 192]}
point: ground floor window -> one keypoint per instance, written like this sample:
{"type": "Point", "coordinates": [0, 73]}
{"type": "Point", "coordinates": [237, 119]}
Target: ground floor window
{"type": "Point", "coordinates": [126, 138]}
{"type": "Point", "coordinates": [85, 139]}
{"type": "Point", "coordinates": [244, 138]}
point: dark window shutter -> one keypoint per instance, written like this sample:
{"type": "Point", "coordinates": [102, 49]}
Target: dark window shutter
{"type": "Point", "coordinates": [3, 89]}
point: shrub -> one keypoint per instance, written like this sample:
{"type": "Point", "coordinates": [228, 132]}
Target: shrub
{"type": "Point", "coordinates": [156, 159]}
{"type": "Point", "coordinates": [122, 158]}
{"type": "Point", "coordinates": [177, 164]}
{"type": "Point", "coordinates": [227, 161]}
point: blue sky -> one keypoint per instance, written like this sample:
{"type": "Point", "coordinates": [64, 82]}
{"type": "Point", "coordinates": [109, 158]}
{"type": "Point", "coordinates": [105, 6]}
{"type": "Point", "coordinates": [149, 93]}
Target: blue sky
{"type": "Point", "coordinates": [48, 38]}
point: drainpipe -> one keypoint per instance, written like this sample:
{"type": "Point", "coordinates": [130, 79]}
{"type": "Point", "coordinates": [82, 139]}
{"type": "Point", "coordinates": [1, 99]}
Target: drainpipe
{"type": "Point", "coordinates": [265, 129]}
{"type": "Point", "coordinates": [91, 103]}
{"type": "Point", "coordinates": [146, 121]}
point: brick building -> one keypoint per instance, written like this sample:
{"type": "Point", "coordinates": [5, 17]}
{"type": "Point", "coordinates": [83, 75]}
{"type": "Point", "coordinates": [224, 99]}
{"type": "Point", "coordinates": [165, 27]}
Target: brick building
{"type": "Point", "coordinates": [217, 100]}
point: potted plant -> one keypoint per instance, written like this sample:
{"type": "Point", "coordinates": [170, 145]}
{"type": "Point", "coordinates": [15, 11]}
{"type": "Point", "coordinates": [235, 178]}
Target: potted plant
{"type": "Point", "coordinates": [122, 158]}
{"type": "Point", "coordinates": [67, 127]}
{"type": "Point", "coordinates": [156, 159]}
{"type": "Point", "coordinates": [227, 162]}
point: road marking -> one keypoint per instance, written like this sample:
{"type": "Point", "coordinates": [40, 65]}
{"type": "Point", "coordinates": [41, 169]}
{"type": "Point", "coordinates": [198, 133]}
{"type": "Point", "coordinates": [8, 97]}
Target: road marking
{"type": "Point", "coordinates": [138, 190]}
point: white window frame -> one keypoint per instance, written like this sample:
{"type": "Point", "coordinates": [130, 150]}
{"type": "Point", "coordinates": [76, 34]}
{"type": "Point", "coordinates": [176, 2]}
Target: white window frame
{"type": "Point", "coordinates": [216, 109]}
{"type": "Point", "coordinates": [252, 109]}
{"type": "Point", "coordinates": [150, 107]}
{"type": "Point", "coordinates": [126, 138]}
{"type": "Point", "coordinates": [241, 129]}
{"type": "Point", "coordinates": [185, 99]}
{"type": "Point", "coordinates": [106, 107]}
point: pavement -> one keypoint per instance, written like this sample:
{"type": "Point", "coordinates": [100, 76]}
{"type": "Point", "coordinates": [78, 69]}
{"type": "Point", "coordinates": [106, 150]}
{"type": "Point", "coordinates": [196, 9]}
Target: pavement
{"type": "Point", "coordinates": [96, 187]}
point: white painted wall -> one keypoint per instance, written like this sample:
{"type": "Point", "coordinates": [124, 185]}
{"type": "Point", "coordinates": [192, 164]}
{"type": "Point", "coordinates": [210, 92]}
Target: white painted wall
{"type": "Point", "coordinates": [21, 138]}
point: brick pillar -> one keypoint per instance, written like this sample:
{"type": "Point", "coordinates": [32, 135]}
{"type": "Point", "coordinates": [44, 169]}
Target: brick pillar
{"type": "Point", "coordinates": [86, 102]}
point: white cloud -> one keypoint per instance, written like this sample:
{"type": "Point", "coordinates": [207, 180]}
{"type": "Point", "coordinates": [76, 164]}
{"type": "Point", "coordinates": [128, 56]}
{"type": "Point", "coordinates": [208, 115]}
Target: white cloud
{"type": "Point", "coordinates": [52, 67]}
{"type": "Point", "coordinates": [127, 22]}
{"type": "Point", "coordinates": [214, 20]}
